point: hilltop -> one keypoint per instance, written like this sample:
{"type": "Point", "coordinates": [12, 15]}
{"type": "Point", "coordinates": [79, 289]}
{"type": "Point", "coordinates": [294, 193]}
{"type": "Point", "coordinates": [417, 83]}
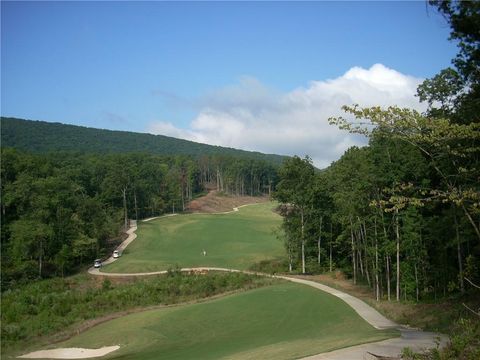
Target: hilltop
{"type": "Point", "coordinates": [42, 137]}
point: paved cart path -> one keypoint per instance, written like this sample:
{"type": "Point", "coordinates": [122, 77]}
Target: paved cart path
{"type": "Point", "coordinates": [415, 339]}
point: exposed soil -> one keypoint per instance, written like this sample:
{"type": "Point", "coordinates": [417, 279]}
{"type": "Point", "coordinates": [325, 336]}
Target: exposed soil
{"type": "Point", "coordinates": [215, 202]}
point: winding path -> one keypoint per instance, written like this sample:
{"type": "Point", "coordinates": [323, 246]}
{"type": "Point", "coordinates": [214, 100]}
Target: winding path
{"type": "Point", "coordinates": [416, 340]}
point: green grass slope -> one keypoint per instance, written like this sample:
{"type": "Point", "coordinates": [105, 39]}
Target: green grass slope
{"type": "Point", "coordinates": [41, 137]}
{"type": "Point", "coordinates": [236, 240]}
{"type": "Point", "coordinates": [284, 321]}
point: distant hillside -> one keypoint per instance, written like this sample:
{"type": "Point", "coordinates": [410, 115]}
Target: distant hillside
{"type": "Point", "coordinates": [41, 137]}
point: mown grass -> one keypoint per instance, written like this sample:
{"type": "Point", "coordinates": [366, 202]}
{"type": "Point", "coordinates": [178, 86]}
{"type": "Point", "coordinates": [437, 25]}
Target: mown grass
{"type": "Point", "coordinates": [430, 315]}
{"type": "Point", "coordinates": [38, 311]}
{"type": "Point", "coordinates": [283, 321]}
{"type": "Point", "coordinates": [236, 240]}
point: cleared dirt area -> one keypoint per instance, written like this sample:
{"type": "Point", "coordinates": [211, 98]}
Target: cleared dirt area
{"type": "Point", "coordinates": [216, 201]}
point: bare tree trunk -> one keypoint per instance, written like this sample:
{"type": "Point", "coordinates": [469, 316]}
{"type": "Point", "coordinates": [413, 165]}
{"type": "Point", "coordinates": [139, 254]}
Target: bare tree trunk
{"type": "Point", "coordinates": [364, 235]}
{"type": "Point", "coordinates": [183, 196]}
{"type": "Point", "coordinates": [469, 217]}
{"type": "Point", "coordinates": [359, 251]}
{"type": "Point", "coordinates": [251, 185]}
{"type": "Point", "coordinates": [416, 281]}
{"type": "Point", "coordinates": [331, 238]}
{"type": "Point", "coordinates": [397, 232]}
{"type": "Point", "coordinates": [303, 242]}
{"type": "Point", "coordinates": [388, 276]}
{"type": "Point", "coordinates": [320, 242]}
{"type": "Point", "coordinates": [40, 259]}
{"type": "Point", "coordinates": [124, 192]}
{"type": "Point", "coordinates": [377, 288]}
{"type": "Point", "coordinates": [381, 287]}
{"type": "Point", "coordinates": [135, 200]}
{"type": "Point", "coordinates": [459, 252]}
{"type": "Point", "coordinates": [290, 255]}
{"type": "Point", "coordinates": [387, 256]}
{"type": "Point", "coordinates": [219, 180]}
{"type": "Point", "coordinates": [354, 263]}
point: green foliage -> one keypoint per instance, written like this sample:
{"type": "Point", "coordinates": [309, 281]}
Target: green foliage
{"type": "Point", "coordinates": [273, 266]}
{"type": "Point", "coordinates": [472, 268]}
{"type": "Point", "coordinates": [106, 284]}
{"type": "Point", "coordinates": [457, 90]}
{"type": "Point", "coordinates": [282, 321]}
{"type": "Point", "coordinates": [46, 307]}
{"type": "Point", "coordinates": [295, 191]}
{"type": "Point", "coordinates": [296, 182]}
{"type": "Point", "coordinates": [63, 210]}
{"type": "Point", "coordinates": [443, 89]}
{"type": "Point", "coordinates": [410, 198]}
{"type": "Point", "coordinates": [464, 344]}
{"type": "Point", "coordinates": [44, 137]}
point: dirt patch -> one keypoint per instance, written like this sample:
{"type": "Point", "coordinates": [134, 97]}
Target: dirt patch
{"type": "Point", "coordinates": [215, 202]}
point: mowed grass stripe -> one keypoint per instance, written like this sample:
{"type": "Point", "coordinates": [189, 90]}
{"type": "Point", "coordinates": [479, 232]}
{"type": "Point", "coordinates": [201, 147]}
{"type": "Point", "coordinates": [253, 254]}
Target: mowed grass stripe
{"type": "Point", "coordinates": [284, 321]}
{"type": "Point", "coordinates": [236, 240]}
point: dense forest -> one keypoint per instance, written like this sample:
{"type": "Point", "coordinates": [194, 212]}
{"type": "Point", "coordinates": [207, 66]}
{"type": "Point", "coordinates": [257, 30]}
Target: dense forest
{"type": "Point", "coordinates": [62, 210]}
{"type": "Point", "coordinates": [403, 213]}
{"type": "Point", "coordinates": [42, 137]}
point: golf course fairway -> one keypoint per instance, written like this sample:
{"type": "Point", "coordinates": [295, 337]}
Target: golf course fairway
{"type": "Point", "coordinates": [282, 321]}
{"type": "Point", "coordinates": [234, 240]}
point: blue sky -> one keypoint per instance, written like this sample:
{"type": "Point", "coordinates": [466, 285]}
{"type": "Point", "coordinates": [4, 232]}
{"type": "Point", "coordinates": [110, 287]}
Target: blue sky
{"type": "Point", "coordinates": [183, 68]}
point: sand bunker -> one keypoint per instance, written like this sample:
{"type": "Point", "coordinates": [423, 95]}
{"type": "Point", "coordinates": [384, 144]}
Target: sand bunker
{"type": "Point", "coordinates": [70, 353]}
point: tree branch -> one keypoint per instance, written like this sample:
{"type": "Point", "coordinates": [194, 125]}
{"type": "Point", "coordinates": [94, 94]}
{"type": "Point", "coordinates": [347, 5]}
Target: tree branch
{"type": "Point", "coordinates": [471, 283]}
{"type": "Point", "coordinates": [473, 311]}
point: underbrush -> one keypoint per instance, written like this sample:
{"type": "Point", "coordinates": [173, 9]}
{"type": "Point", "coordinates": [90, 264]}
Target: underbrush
{"type": "Point", "coordinates": [427, 314]}
{"type": "Point", "coordinates": [43, 308]}
{"type": "Point", "coordinates": [464, 343]}
{"type": "Point", "coordinates": [271, 266]}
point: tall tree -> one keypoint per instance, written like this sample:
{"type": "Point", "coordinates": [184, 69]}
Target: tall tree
{"type": "Point", "coordinates": [295, 189]}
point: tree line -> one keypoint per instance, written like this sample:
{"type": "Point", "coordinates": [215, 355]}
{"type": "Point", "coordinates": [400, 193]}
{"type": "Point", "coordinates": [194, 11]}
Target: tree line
{"type": "Point", "coordinates": [403, 213]}
{"type": "Point", "coordinates": [62, 210]}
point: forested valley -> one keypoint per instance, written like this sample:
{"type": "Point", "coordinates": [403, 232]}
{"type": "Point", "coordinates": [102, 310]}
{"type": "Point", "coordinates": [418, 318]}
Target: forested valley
{"type": "Point", "coordinates": [62, 210]}
{"type": "Point", "coordinates": [400, 215]}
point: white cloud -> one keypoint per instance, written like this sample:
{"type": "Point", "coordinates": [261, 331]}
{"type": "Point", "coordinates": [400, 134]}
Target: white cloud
{"type": "Point", "coordinates": [251, 116]}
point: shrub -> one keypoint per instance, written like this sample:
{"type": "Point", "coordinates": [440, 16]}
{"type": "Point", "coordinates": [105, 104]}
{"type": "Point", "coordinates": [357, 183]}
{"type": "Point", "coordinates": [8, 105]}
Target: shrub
{"type": "Point", "coordinates": [49, 306]}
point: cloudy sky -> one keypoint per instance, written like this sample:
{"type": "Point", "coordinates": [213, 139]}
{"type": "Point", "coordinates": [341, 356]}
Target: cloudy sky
{"type": "Point", "coordinates": [261, 76]}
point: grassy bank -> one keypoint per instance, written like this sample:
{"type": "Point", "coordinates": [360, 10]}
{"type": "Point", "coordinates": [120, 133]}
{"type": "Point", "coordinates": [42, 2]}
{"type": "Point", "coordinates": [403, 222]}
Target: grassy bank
{"type": "Point", "coordinates": [235, 240]}
{"type": "Point", "coordinates": [37, 312]}
{"type": "Point", "coordinates": [431, 315]}
{"type": "Point", "coordinates": [283, 321]}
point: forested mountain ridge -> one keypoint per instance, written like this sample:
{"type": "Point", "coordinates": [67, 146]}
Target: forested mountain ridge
{"type": "Point", "coordinates": [66, 190]}
{"type": "Point", "coordinates": [42, 137]}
